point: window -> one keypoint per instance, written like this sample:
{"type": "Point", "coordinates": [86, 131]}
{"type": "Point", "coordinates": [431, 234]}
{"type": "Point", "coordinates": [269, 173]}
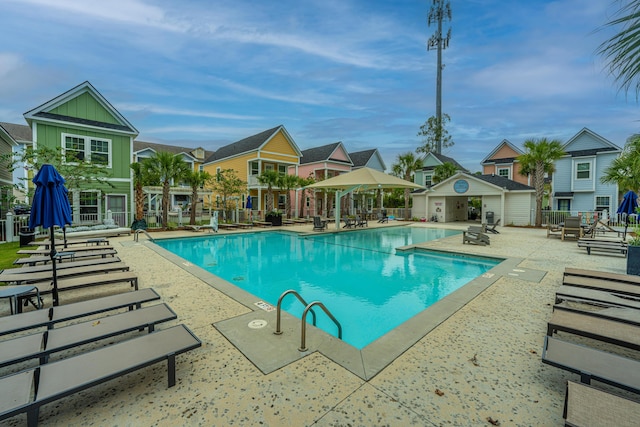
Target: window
{"type": "Point", "coordinates": [564, 204]}
{"type": "Point", "coordinates": [77, 148]}
{"type": "Point", "coordinates": [603, 203]}
{"type": "Point", "coordinates": [583, 170]}
{"type": "Point", "coordinates": [86, 204]}
{"type": "Point", "coordinates": [282, 169]}
{"type": "Point", "coordinates": [281, 202]}
{"type": "Point", "coordinates": [503, 172]}
{"type": "Point", "coordinates": [268, 167]}
{"type": "Point", "coordinates": [255, 170]}
{"type": "Point", "coordinates": [428, 180]}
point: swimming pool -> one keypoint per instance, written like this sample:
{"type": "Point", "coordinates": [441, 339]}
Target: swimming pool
{"type": "Point", "coordinates": [359, 276]}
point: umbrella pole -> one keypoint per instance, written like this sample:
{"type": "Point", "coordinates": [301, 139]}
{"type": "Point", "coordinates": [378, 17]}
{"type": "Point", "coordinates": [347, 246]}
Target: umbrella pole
{"type": "Point", "coordinates": [64, 235]}
{"type": "Point", "coordinates": [52, 254]}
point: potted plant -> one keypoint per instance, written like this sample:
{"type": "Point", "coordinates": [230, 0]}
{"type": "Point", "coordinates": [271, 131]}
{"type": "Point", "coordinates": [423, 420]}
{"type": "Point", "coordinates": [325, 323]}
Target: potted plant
{"type": "Point", "coordinates": [274, 217]}
{"type": "Point", "coordinates": [633, 249]}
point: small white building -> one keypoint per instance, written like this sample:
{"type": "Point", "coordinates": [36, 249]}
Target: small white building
{"type": "Point", "coordinates": [504, 199]}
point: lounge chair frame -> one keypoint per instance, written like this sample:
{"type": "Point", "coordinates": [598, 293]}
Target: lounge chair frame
{"type": "Point", "coordinates": [42, 345]}
{"type": "Point", "coordinates": [586, 405]}
{"type": "Point", "coordinates": [592, 364]}
{"type": "Point", "coordinates": [602, 329]}
{"type": "Point", "coordinates": [492, 229]}
{"type": "Point", "coordinates": [627, 278]}
{"type": "Point", "coordinates": [616, 246]}
{"type": "Point", "coordinates": [65, 377]}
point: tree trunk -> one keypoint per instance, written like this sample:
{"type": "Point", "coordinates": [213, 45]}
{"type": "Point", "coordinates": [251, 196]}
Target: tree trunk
{"type": "Point", "coordinates": [165, 204]}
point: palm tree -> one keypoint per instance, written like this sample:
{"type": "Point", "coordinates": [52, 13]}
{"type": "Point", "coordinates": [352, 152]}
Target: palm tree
{"type": "Point", "coordinates": [270, 179]}
{"type": "Point", "coordinates": [169, 168]}
{"type": "Point", "coordinates": [624, 169]}
{"type": "Point", "coordinates": [195, 179]}
{"type": "Point", "coordinates": [538, 159]}
{"type": "Point", "coordinates": [444, 171]}
{"type": "Point", "coordinates": [138, 182]}
{"type": "Point", "coordinates": [406, 165]}
{"type": "Point", "coordinates": [622, 50]}
{"type": "Point", "coordinates": [288, 183]}
{"type": "Point", "coordinates": [303, 182]}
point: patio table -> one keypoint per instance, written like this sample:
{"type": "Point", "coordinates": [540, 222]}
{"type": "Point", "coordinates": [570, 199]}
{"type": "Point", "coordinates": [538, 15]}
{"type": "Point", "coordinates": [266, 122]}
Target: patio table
{"type": "Point", "coordinates": [13, 292]}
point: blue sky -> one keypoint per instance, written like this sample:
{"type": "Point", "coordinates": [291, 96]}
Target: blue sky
{"type": "Point", "coordinates": [210, 72]}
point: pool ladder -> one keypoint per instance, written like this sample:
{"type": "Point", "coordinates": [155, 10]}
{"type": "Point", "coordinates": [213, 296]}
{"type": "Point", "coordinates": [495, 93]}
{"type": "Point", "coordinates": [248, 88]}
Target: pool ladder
{"type": "Point", "coordinates": [140, 230]}
{"type": "Point", "coordinates": [308, 308]}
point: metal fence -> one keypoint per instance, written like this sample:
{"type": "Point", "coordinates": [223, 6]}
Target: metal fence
{"type": "Point", "coordinates": [588, 217]}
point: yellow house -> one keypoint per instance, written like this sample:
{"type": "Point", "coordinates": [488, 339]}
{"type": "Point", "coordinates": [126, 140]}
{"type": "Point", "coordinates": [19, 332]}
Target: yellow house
{"type": "Point", "coordinates": [272, 149]}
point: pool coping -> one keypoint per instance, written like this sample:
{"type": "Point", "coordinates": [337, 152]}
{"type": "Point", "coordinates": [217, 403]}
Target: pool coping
{"type": "Point", "coordinates": [252, 333]}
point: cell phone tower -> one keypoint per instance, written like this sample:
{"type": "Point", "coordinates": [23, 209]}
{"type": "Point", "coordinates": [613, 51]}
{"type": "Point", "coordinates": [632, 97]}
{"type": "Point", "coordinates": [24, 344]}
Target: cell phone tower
{"type": "Point", "coordinates": [440, 11]}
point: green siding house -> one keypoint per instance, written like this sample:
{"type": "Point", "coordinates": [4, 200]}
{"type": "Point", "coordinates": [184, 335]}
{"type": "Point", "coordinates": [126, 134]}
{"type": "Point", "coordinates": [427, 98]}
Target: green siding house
{"type": "Point", "coordinates": [81, 121]}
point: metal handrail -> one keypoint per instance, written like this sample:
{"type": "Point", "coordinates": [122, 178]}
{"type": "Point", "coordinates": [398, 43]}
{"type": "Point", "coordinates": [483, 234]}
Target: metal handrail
{"type": "Point", "coordinates": [303, 332]}
{"type": "Point", "coordinates": [140, 230]}
{"type": "Point", "coordinates": [279, 308]}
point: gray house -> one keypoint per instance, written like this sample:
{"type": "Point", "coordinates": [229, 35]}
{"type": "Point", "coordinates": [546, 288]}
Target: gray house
{"type": "Point", "coordinates": [576, 185]}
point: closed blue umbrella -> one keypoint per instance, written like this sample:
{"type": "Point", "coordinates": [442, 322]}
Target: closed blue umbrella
{"type": "Point", "coordinates": [628, 206]}
{"type": "Point", "coordinates": [249, 205]}
{"type": "Point", "coordinates": [50, 207]}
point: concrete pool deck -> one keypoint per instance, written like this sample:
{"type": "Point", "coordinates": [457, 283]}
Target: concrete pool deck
{"type": "Point", "coordinates": [481, 362]}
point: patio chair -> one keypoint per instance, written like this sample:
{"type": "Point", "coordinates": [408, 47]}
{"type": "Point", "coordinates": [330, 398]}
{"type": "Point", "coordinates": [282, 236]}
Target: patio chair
{"type": "Point", "coordinates": [361, 222]}
{"type": "Point", "coordinates": [43, 344]}
{"type": "Point", "coordinates": [572, 227]}
{"type": "Point", "coordinates": [92, 248]}
{"type": "Point", "coordinates": [349, 223]}
{"type": "Point", "coordinates": [595, 297]}
{"type": "Point", "coordinates": [627, 278]}
{"type": "Point", "coordinates": [613, 286]}
{"type": "Point", "coordinates": [68, 254]}
{"type": "Point", "coordinates": [554, 230]}
{"type": "Point", "coordinates": [45, 276]}
{"type": "Point", "coordinates": [475, 238]}
{"type": "Point", "coordinates": [492, 229]}
{"type": "Point", "coordinates": [50, 317]}
{"type": "Point", "coordinates": [26, 391]}
{"type": "Point", "coordinates": [382, 217]}
{"type": "Point", "coordinates": [319, 224]}
{"type": "Point", "coordinates": [592, 364]}
{"type": "Point", "coordinates": [598, 328]}
{"type": "Point", "coordinates": [62, 265]}
{"type": "Point", "coordinates": [585, 405]}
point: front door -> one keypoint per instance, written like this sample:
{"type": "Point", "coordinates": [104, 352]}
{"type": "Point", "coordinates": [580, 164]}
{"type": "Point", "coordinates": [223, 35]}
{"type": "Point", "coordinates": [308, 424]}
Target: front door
{"type": "Point", "coordinates": [117, 204]}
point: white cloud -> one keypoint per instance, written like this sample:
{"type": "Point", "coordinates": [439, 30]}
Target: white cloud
{"type": "Point", "coordinates": [130, 12]}
{"type": "Point", "coordinates": [160, 110]}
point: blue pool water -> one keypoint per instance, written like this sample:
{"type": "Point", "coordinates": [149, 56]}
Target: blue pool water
{"type": "Point", "coordinates": [358, 275]}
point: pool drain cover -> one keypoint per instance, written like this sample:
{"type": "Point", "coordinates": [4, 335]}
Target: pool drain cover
{"type": "Point", "coordinates": [257, 324]}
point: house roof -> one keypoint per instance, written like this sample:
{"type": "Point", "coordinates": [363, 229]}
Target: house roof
{"type": "Point", "coordinates": [503, 182]}
{"type": "Point", "coordinates": [489, 159]}
{"type": "Point", "coordinates": [362, 158]}
{"type": "Point", "coordinates": [444, 159]}
{"type": "Point", "coordinates": [20, 133]}
{"type": "Point", "coordinates": [491, 179]}
{"type": "Point", "coordinates": [251, 143]}
{"type": "Point", "coordinates": [143, 145]}
{"type": "Point", "coordinates": [606, 144]}
{"type": "Point", "coordinates": [43, 112]}
{"type": "Point", "coordinates": [323, 154]}
{"type": "Point", "coordinates": [592, 152]}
